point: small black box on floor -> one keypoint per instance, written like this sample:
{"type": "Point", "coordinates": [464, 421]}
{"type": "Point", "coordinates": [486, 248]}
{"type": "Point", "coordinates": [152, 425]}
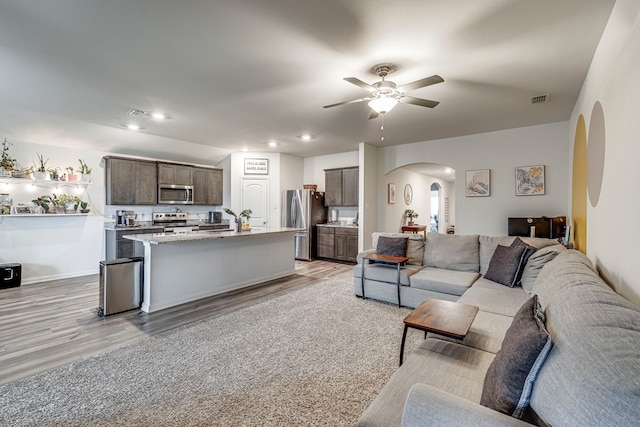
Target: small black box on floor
{"type": "Point", "coordinates": [10, 275]}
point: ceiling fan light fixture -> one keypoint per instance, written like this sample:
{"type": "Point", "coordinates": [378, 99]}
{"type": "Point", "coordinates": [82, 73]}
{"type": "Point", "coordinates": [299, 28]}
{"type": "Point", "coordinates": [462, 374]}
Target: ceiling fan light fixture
{"type": "Point", "coordinates": [383, 104]}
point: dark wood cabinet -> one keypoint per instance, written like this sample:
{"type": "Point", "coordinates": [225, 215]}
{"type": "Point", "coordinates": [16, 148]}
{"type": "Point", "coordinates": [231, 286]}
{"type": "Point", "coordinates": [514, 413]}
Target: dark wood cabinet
{"type": "Point", "coordinates": [170, 173]}
{"type": "Point", "coordinates": [341, 187]}
{"type": "Point", "coordinates": [131, 182]}
{"type": "Point", "coordinates": [339, 243]}
{"type": "Point", "coordinates": [326, 242]}
{"type": "Point", "coordinates": [207, 186]}
{"type": "Point", "coordinates": [119, 247]}
{"type": "Point", "coordinates": [346, 244]}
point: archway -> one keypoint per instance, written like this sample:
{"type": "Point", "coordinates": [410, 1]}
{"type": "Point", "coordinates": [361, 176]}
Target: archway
{"type": "Point", "coordinates": [434, 224]}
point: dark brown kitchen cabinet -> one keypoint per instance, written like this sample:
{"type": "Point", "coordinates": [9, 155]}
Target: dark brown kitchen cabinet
{"type": "Point", "coordinates": [207, 186]}
{"type": "Point", "coordinates": [119, 247]}
{"type": "Point", "coordinates": [346, 244]}
{"type": "Point", "coordinates": [339, 243]}
{"type": "Point", "coordinates": [130, 181]}
{"type": "Point", "coordinates": [170, 173]}
{"type": "Point", "coordinates": [341, 187]}
{"type": "Point", "coordinates": [325, 245]}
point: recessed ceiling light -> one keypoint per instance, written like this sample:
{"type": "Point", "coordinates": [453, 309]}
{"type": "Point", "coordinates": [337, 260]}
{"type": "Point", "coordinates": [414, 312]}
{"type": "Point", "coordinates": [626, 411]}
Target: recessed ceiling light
{"type": "Point", "coordinates": [245, 149]}
{"type": "Point", "coordinates": [448, 170]}
{"type": "Point", "coordinates": [159, 116]}
{"type": "Point", "coordinates": [272, 144]}
{"type": "Point", "coordinates": [306, 137]}
{"type": "Point", "coordinates": [133, 126]}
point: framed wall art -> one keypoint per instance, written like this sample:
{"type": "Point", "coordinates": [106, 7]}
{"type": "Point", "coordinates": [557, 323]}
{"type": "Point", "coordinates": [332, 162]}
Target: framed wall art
{"type": "Point", "coordinates": [530, 180]}
{"type": "Point", "coordinates": [408, 194]}
{"type": "Point", "coordinates": [256, 166]}
{"type": "Point", "coordinates": [391, 194]}
{"type": "Point", "coordinates": [478, 183]}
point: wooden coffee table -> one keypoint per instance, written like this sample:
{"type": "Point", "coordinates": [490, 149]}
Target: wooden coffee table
{"type": "Point", "coordinates": [398, 261]}
{"type": "Point", "coordinates": [451, 319]}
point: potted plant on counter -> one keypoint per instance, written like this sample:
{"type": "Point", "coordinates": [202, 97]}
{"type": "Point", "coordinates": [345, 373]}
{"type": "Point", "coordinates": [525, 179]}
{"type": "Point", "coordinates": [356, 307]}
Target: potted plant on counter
{"type": "Point", "coordinates": [71, 175]}
{"type": "Point", "coordinates": [83, 207]}
{"type": "Point", "coordinates": [410, 214]}
{"type": "Point", "coordinates": [238, 218]}
{"type": "Point", "coordinates": [66, 203]}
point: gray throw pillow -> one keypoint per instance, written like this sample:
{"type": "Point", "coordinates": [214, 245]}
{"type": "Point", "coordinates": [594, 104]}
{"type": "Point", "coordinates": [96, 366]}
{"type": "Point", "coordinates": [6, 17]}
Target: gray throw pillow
{"type": "Point", "coordinates": [536, 262]}
{"type": "Point", "coordinates": [392, 246]}
{"type": "Point", "coordinates": [528, 251]}
{"type": "Point", "coordinates": [509, 380]}
{"type": "Point", "coordinates": [504, 265]}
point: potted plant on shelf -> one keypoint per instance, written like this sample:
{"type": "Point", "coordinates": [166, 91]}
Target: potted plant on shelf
{"type": "Point", "coordinates": [238, 218]}
{"type": "Point", "coordinates": [71, 175]}
{"type": "Point", "coordinates": [83, 207]}
{"type": "Point", "coordinates": [66, 203]}
{"type": "Point", "coordinates": [7, 163]}
{"type": "Point", "coordinates": [85, 171]}
{"type": "Point", "coordinates": [42, 204]}
{"type": "Point", "coordinates": [410, 214]}
{"type": "Point", "coordinates": [41, 171]}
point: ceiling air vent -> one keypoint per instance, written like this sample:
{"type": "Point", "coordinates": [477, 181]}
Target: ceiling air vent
{"type": "Point", "coordinates": [540, 99]}
{"type": "Point", "coordinates": [134, 112]}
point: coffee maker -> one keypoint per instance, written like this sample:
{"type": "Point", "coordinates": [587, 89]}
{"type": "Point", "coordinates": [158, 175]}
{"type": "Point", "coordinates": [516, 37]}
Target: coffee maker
{"type": "Point", "coordinates": [125, 218]}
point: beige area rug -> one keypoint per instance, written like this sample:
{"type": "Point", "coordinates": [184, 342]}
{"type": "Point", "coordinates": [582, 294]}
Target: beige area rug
{"type": "Point", "coordinates": [314, 356]}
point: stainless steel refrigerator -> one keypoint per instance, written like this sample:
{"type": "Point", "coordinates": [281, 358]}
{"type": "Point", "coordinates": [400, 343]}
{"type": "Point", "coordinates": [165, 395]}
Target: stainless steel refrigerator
{"type": "Point", "coordinates": [304, 209]}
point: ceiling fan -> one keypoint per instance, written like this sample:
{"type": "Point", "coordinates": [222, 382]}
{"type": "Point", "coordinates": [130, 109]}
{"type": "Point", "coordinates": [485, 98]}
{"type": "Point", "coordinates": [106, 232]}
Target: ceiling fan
{"type": "Point", "coordinates": [385, 94]}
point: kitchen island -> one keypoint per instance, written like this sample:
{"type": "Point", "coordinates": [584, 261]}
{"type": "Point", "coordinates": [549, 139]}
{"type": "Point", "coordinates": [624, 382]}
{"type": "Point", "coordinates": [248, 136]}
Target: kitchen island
{"type": "Point", "coordinates": [183, 267]}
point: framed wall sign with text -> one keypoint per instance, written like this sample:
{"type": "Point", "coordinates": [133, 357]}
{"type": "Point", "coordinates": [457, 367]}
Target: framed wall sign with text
{"type": "Point", "coordinates": [256, 166]}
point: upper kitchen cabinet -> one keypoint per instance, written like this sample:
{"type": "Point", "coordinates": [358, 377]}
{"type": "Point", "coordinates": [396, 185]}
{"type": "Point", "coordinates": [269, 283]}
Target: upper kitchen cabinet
{"type": "Point", "coordinates": [341, 187]}
{"type": "Point", "coordinates": [169, 173]}
{"type": "Point", "coordinates": [207, 186]}
{"type": "Point", "coordinates": [131, 182]}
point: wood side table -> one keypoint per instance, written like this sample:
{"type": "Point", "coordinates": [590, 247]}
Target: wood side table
{"type": "Point", "coordinates": [398, 261]}
{"type": "Point", "coordinates": [448, 318]}
{"type": "Point", "coordinates": [415, 229]}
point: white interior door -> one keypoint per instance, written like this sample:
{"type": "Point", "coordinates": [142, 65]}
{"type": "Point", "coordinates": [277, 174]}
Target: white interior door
{"type": "Point", "coordinates": [255, 196]}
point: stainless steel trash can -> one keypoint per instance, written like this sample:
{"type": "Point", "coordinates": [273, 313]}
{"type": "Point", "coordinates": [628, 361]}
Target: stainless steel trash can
{"type": "Point", "coordinates": [120, 285]}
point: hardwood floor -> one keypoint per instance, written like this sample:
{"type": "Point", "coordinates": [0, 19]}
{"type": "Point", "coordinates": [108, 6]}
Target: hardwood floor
{"type": "Point", "coordinates": [50, 324]}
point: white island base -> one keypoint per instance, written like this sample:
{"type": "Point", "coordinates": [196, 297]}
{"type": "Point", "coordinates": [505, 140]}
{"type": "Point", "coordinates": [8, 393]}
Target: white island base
{"type": "Point", "coordinates": [191, 266]}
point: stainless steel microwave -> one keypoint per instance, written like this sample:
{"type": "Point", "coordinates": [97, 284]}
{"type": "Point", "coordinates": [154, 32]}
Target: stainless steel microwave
{"type": "Point", "coordinates": [171, 194]}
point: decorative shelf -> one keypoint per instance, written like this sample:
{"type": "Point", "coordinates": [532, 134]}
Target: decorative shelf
{"type": "Point", "coordinates": [42, 215]}
{"type": "Point", "coordinates": [44, 182]}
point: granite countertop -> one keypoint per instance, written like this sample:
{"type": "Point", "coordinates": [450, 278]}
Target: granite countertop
{"type": "Point", "coordinates": [192, 236]}
{"type": "Point", "coordinates": [337, 225]}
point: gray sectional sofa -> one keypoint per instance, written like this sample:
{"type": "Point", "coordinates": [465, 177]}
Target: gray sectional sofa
{"type": "Point", "coordinates": [591, 374]}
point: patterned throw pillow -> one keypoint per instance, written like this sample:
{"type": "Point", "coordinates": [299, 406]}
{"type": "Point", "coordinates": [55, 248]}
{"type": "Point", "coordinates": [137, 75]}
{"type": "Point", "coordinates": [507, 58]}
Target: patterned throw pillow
{"type": "Point", "coordinates": [504, 265]}
{"type": "Point", "coordinates": [509, 380]}
{"type": "Point", "coordinates": [392, 246]}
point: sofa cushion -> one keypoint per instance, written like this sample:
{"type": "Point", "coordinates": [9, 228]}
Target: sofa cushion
{"type": "Point", "coordinates": [452, 252]}
{"type": "Point", "coordinates": [451, 367]}
{"type": "Point", "coordinates": [505, 264]}
{"type": "Point", "coordinates": [592, 374]}
{"type": "Point", "coordinates": [511, 375]}
{"type": "Point", "coordinates": [488, 245]}
{"type": "Point", "coordinates": [392, 246]}
{"type": "Point", "coordinates": [486, 333]}
{"type": "Point", "coordinates": [386, 273]}
{"type": "Point", "coordinates": [415, 245]}
{"type": "Point", "coordinates": [445, 281]}
{"type": "Point", "coordinates": [494, 297]}
{"type": "Point", "coordinates": [535, 263]}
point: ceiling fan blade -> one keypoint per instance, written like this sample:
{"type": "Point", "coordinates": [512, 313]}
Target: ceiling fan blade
{"type": "Point", "coordinates": [419, 101]}
{"type": "Point", "coordinates": [373, 115]}
{"type": "Point", "coordinates": [360, 83]}
{"type": "Point", "coordinates": [353, 101]}
{"type": "Point", "coordinates": [427, 81]}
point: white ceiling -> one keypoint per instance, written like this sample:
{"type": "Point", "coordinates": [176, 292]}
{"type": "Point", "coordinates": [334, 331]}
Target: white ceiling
{"type": "Point", "coordinates": [234, 74]}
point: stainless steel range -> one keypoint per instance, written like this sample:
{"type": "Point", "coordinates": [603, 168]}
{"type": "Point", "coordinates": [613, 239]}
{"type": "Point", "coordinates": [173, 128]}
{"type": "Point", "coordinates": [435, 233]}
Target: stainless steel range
{"type": "Point", "coordinates": [177, 222]}
{"type": "Point", "coordinates": [173, 222]}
